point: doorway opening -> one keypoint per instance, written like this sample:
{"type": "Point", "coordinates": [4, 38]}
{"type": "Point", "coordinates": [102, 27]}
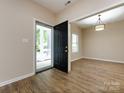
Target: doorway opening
{"type": "Point", "coordinates": [43, 46]}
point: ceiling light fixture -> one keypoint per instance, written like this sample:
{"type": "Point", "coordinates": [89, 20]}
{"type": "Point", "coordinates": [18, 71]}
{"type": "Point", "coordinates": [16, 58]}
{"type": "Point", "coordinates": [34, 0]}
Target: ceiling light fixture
{"type": "Point", "coordinates": [100, 26]}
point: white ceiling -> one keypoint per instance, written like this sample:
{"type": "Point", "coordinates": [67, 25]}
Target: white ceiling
{"type": "Point", "coordinates": [110, 16]}
{"type": "Point", "coordinates": [54, 5]}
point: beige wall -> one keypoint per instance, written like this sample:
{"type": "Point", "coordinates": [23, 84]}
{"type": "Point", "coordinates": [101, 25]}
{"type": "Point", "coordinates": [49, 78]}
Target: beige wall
{"type": "Point", "coordinates": [17, 23]}
{"type": "Point", "coordinates": [108, 44]}
{"type": "Point", "coordinates": [76, 30]}
{"type": "Point", "coordinates": [84, 8]}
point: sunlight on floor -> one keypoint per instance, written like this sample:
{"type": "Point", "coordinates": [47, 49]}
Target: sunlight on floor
{"type": "Point", "coordinates": [43, 64]}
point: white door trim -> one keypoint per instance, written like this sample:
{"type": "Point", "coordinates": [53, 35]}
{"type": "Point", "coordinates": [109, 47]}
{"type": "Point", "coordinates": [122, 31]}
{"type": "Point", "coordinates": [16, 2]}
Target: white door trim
{"type": "Point", "coordinates": [34, 43]}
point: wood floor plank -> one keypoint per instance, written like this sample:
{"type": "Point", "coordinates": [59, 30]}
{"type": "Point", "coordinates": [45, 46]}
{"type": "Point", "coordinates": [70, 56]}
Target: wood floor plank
{"type": "Point", "coordinates": [87, 76]}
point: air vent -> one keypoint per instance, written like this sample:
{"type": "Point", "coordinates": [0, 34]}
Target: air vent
{"type": "Point", "coordinates": [67, 3]}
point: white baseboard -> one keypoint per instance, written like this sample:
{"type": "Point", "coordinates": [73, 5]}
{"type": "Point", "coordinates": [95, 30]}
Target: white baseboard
{"type": "Point", "coordinates": [108, 60]}
{"type": "Point", "coordinates": [16, 79]}
{"type": "Point", "coordinates": [76, 59]}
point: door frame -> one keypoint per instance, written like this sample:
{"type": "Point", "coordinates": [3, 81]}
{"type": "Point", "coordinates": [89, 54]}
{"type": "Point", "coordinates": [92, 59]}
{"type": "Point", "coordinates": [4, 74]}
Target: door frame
{"type": "Point", "coordinates": [34, 42]}
{"type": "Point", "coordinates": [69, 47]}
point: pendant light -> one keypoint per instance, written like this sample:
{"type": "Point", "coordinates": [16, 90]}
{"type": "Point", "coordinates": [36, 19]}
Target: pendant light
{"type": "Point", "coordinates": [99, 26]}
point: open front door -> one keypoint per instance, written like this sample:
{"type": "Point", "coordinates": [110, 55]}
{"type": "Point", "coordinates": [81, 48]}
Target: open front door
{"type": "Point", "coordinates": [61, 46]}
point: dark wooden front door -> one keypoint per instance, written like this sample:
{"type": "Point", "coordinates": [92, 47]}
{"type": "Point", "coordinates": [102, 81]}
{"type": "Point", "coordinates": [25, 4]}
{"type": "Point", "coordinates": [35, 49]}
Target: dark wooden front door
{"type": "Point", "coordinates": [61, 46]}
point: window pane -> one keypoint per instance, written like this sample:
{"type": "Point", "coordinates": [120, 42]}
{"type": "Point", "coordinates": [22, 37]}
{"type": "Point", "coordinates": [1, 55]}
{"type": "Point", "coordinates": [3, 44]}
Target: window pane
{"type": "Point", "coordinates": [74, 43]}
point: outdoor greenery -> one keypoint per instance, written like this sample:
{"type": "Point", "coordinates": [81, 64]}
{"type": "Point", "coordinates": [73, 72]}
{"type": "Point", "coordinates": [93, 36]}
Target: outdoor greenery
{"type": "Point", "coordinates": [45, 40]}
{"type": "Point", "coordinates": [38, 40]}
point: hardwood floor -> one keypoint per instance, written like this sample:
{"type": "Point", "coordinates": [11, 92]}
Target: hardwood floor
{"type": "Point", "coordinates": [87, 76]}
